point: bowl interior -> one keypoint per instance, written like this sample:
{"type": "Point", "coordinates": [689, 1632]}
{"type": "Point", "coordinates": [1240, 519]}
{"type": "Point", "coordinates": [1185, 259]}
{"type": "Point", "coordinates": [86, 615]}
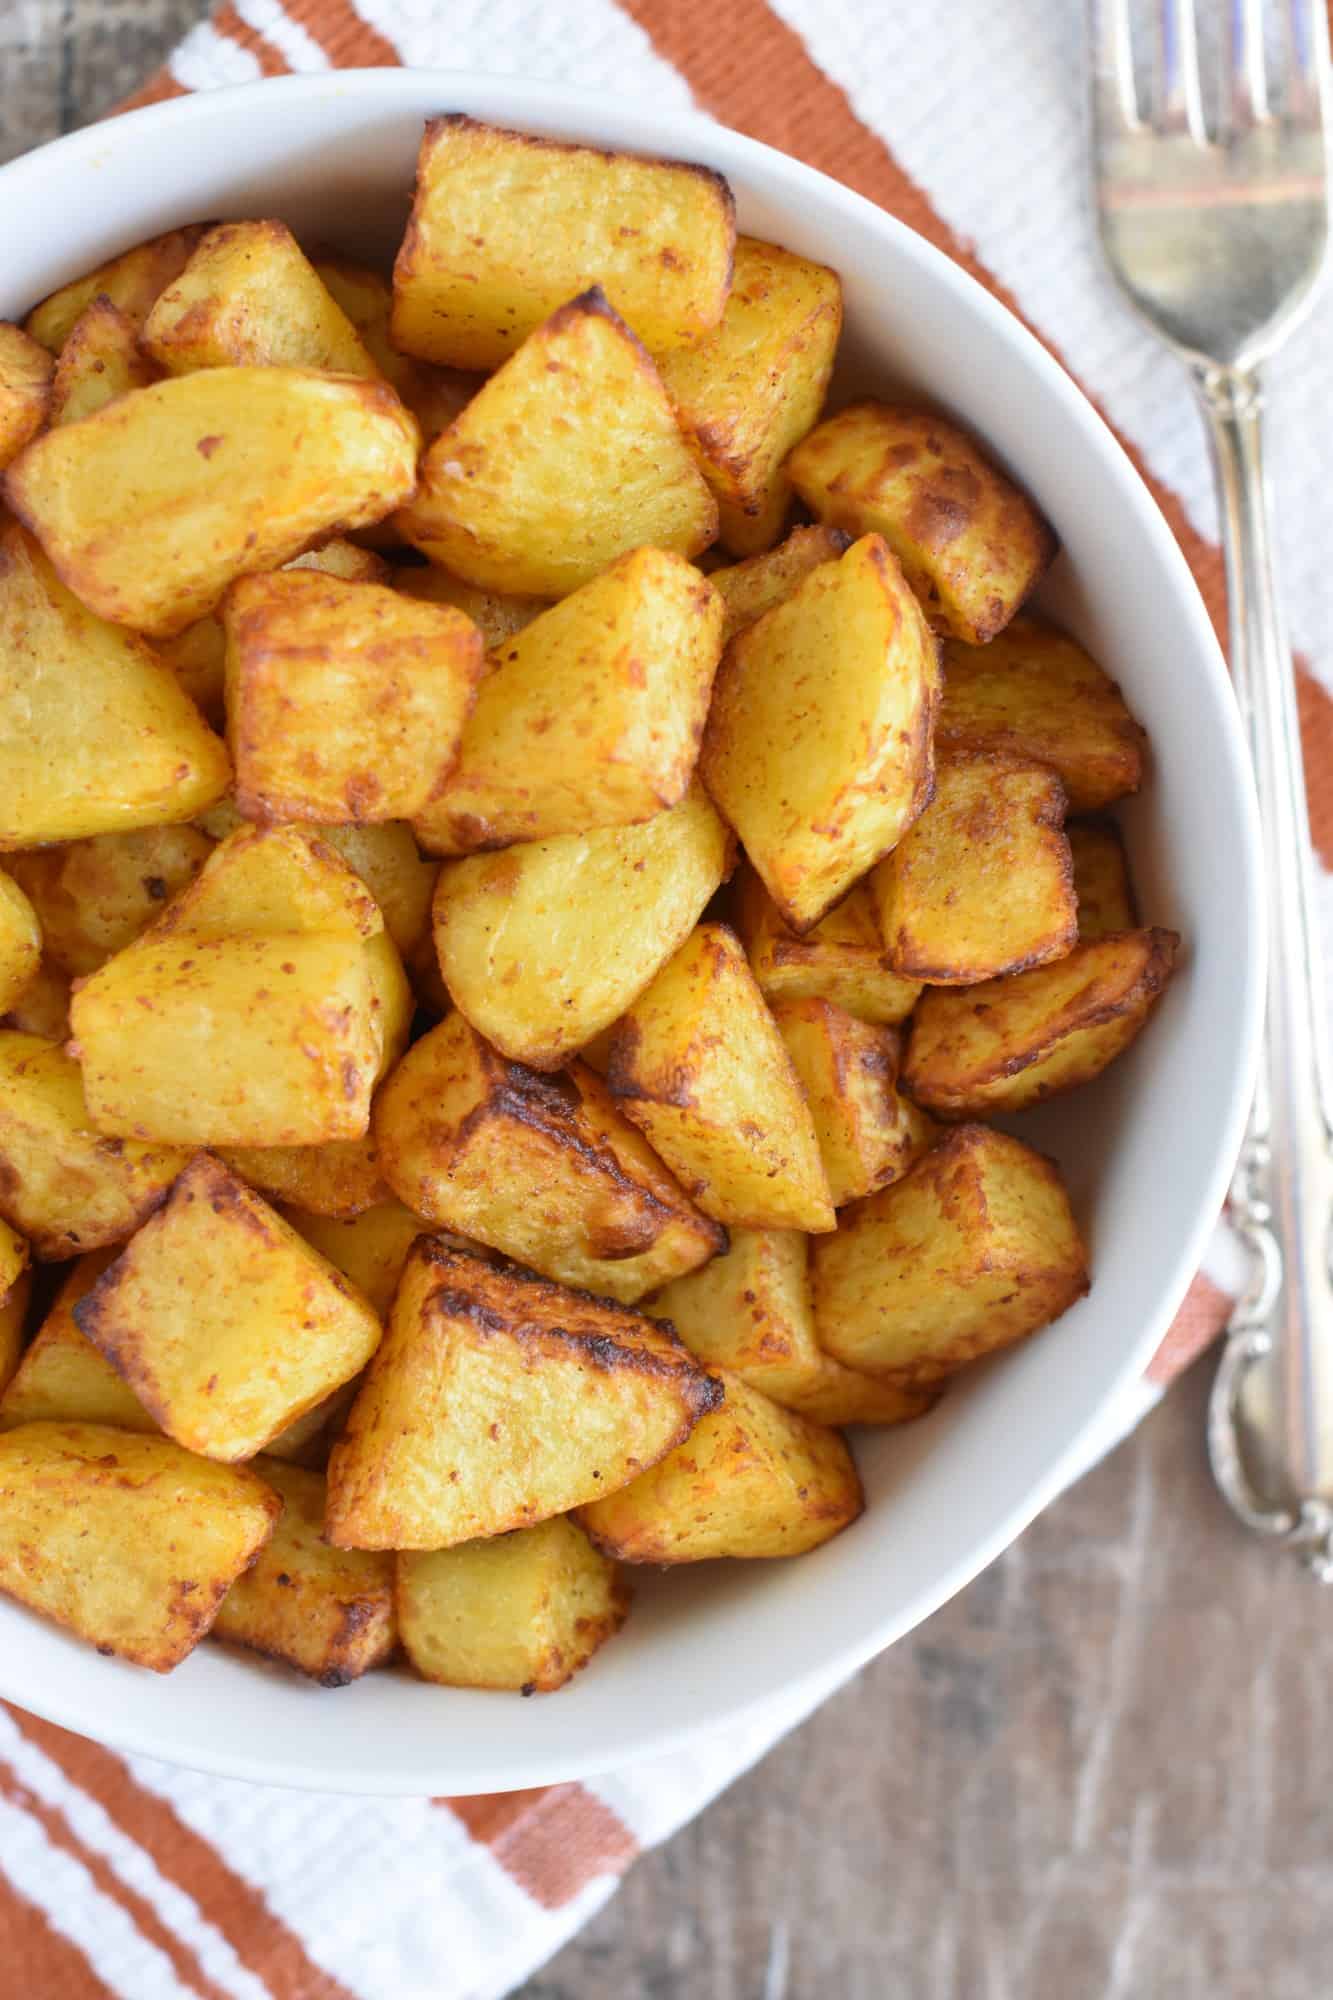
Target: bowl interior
{"type": "Point", "coordinates": [1146, 1150]}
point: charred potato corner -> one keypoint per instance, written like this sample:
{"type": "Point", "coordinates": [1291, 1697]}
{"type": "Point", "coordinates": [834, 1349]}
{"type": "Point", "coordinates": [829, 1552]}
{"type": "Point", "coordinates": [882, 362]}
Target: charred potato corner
{"type": "Point", "coordinates": [532, 848]}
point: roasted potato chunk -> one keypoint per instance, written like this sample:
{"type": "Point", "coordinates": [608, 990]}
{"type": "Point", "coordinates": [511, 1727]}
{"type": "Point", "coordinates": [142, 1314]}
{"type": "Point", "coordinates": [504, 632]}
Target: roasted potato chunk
{"type": "Point", "coordinates": [593, 715]}
{"type": "Point", "coordinates": [433, 395]}
{"type": "Point", "coordinates": [131, 281]}
{"type": "Point", "coordinates": [327, 1612]}
{"type": "Point", "coordinates": [370, 1248]}
{"type": "Point", "coordinates": [869, 1133]}
{"type": "Point", "coordinates": [272, 1328]}
{"type": "Point", "coordinates": [63, 1185]}
{"type": "Point", "coordinates": [149, 508]}
{"type": "Point", "coordinates": [15, 1292]}
{"type": "Point", "coordinates": [95, 734]}
{"type": "Point", "coordinates": [698, 1065]}
{"type": "Point", "coordinates": [62, 1378]}
{"type": "Point", "coordinates": [983, 882]}
{"type": "Point", "coordinates": [545, 944]}
{"type": "Point", "coordinates": [496, 504]}
{"type": "Point", "coordinates": [841, 959]}
{"type": "Point", "coordinates": [751, 1480]}
{"type": "Point", "coordinates": [1102, 887]}
{"type": "Point", "coordinates": [496, 617]}
{"type": "Point", "coordinates": [818, 744]}
{"type": "Point", "coordinates": [541, 1168]}
{"type": "Point", "coordinates": [839, 1395]}
{"type": "Point", "coordinates": [26, 370]}
{"type": "Point", "coordinates": [20, 943]}
{"type": "Point", "coordinates": [128, 1541]}
{"type": "Point", "coordinates": [43, 1007]}
{"type": "Point", "coordinates": [99, 361]}
{"type": "Point", "coordinates": [93, 897]}
{"type": "Point", "coordinates": [344, 559]}
{"type": "Point", "coordinates": [345, 701]}
{"type": "Point", "coordinates": [385, 857]}
{"type": "Point", "coordinates": [975, 1248]}
{"type": "Point", "coordinates": [522, 1611]}
{"type": "Point", "coordinates": [749, 589]}
{"type": "Point", "coordinates": [999, 1047]}
{"type": "Point", "coordinates": [970, 544]}
{"type": "Point", "coordinates": [340, 1178]}
{"type": "Point", "coordinates": [497, 1400]}
{"type": "Point", "coordinates": [506, 226]}
{"type": "Point", "coordinates": [1035, 693]}
{"type": "Point", "coordinates": [751, 389]}
{"type": "Point", "coordinates": [250, 298]}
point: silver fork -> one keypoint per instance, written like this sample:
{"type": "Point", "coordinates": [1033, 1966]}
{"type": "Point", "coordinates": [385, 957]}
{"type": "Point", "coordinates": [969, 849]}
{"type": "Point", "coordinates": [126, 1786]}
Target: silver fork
{"type": "Point", "coordinates": [1218, 238]}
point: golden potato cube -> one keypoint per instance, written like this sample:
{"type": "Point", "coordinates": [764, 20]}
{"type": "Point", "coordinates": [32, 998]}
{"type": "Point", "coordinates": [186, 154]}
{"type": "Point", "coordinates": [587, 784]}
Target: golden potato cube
{"type": "Point", "coordinates": [541, 1168]}
{"type": "Point", "coordinates": [496, 617]}
{"type": "Point", "coordinates": [749, 1311]}
{"type": "Point", "coordinates": [545, 944]}
{"type": "Point", "coordinates": [327, 1612]}
{"type": "Point", "coordinates": [971, 545]}
{"type": "Point", "coordinates": [751, 389]}
{"type": "Point", "coordinates": [1102, 885]}
{"type": "Point", "coordinates": [1034, 692]}
{"type": "Point", "coordinates": [974, 1249]}
{"type": "Point", "coordinates": [272, 1328]}
{"type": "Point", "coordinates": [982, 883]}
{"type": "Point", "coordinates": [95, 734]}
{"type": "Point", "coordinates": [565, 459]}
{"type": "Point", "coordinates": [869, 1133]}
{"type": "Point", "coordinates": [340, 1178]}
{"type": "Point", "coordinates": [698, 1065]}
{"type": "Point", "coordinates": [149, 507]}
{"type": "Point", "coordinates": [26, 371]}
{"type": "Point", "coordinates": [999, 1047]}
{"type": "Point", "coordinates": [839, 1395]}
{"type": "Point", "coordinates": [344, 559]}
{"type": "Point", "coordinates": [62, 1378]}
{"type": "Point", "coordinates": [370, 1248]}
{"type": "Point", "coordinates": [751, 1480]}
{"type": "Point", "coordinates": [128, 1541]}
{"type": "Point", "coordinates": [593, 715]}
{"type": "Point", "coordinates": [496, 1400]}
{"type": "Point", "coordinates": [43, 1007]}
{"type": "Point", "coordinates": [197, 657]}
{"type": "Point", "coordinates": [20, 943]}
{"type": "Point", "coordinates": [522, 1611]}
{"type": "Point", "coordinates": [386, 859]}
{"type": "Point", "coordinates": [749, 589]}
{"type": "Point", "coordinates": [433, 395]}
{"type": "Point", "coordinates": [248, 298]}
{"type": "Point", "coordinates": [15, 1293]}
{"type": "Point", "coordinates": [506, 226]}
{"type": "Point", "coordinates": [63, 1185]}
{"type": "Point", "coordinates": [131, 281]}
{"type": "Point", "coordinates": [818, 745]}
{"type": "Point", "coordinates": [93, 897]}
{"type": "Point", "coordinates": [345, 701]}
{"type": "Point", "coordinates": [99, 361]}
{"type": "Point", "coordinates": [841, 959]}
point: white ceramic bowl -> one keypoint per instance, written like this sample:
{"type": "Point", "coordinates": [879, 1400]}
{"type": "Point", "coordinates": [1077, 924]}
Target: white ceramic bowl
{"type": "Point", "coordinates": [1146, 1150]}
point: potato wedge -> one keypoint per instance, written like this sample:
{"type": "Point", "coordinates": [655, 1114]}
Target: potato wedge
{"type": "Point", "coordinates": [95, 734]}
{"type": "Point", "coordinates": [99, 361]}
{"type": "Point", "coordinates": [20, 943]}
{"type": "Point", "coordinates": [128, 1541]}
{"type": "Point", "coordinates": [541, 1168]}
{"type": "Point", "coordinates": [340, 1178]}
{"type": "Point", "coordinates": [971, 545]}
{"type": "Point", "coordinates": [272, 1328]}
{"type": "Point", "coordinates": [506, 226]}
{"type": "Point", "coordinates": [63, 1185]}
{"type": "Point", "coordinates": [26, 371]}
{"type": "Point", "coordinates": [818, 745]}
{"type": "Point", "coordinates": [15, 1293]}
{"type": "Point", "coordinates": [593, 715]}
{"type": "Point", "coordinates": [523, 1611]}
{"type": "Point", "coordinates": [698, 1065]}
{"type": "Point", "coordinates": [1102, 886]}
{"type": "Point", "coordinates": [841, 959]}
{"type": "Point", "coordinates": [497, 1400]}
{"type": "Point", "coordinates": [973, 1250]}
{"type": "Point", "coordinates": [63, 1378]}
{"type": "Point", "coordinates": [839, 1395]}
{"type": "Point", "coordinates": [249, 297]}
{"type": "Point", "coordinates": [496, 617]}
{"type": "Point", "coordinates": [748, 589]}
{"type": "Point", "coordinates": [95, 896]}
{"type": "Point", "coordinates": [370, 1248]}
{"type": "Point", "coordinates": [496, 503]}
{"type": "Point", "coordinates": [982, 883]}
{"type": "Point", "coordinates": [999, 1047]}
{"type": "Point", "coordinates": [751, 388]}
{"type": "Point", "coordinates": [545, 944]}
{"type": "Point", "coordinates": [131, 281]}
{"type": "Point", "coordinates": [751, 1480]}
{"type": "Point", "coordinates": [149, 508]}
{"type": "Point", "coordinates": [327, 1612]}
{"type": "Point", "coordinates": [433, 395]}
{"type": "Point", "coordinates": [1034, 692]}
{"type": "Point", "coordinates": [869, 1133]}
{"type": "Point", "coordinates": [385, 858]}
{"type": "Point", "coordinates": [345, 701]}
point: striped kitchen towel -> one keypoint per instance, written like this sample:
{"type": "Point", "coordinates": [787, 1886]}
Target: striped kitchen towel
{"type": "Point", "coordinates": [120, 1876]}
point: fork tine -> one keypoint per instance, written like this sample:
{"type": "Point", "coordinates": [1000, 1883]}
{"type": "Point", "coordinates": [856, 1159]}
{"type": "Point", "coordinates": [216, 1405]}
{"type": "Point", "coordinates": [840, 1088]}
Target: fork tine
{"type": "Point", "coordinates": [1115, 109]}
{"type": "Point", "coordinates": [1305, 25]}
{"type": "Point", "coordinates": [1177, 99]}
{"type": "Point", "coordinates": [1248, 93]}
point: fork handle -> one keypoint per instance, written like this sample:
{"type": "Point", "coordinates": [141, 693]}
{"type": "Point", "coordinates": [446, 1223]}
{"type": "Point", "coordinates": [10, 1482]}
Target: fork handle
{"type": "Point", "coordinates": [1282, 1195]}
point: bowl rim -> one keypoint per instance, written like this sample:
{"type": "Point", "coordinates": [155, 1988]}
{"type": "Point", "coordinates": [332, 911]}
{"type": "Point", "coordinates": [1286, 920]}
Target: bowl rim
{"type": "Point", "coordinates": [532, 101]}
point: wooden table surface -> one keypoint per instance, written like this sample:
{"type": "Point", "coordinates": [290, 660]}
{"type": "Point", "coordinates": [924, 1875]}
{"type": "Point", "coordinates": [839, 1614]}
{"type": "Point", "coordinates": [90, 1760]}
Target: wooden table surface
{"type": "Point", "coordinates": [1105, 1770]}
